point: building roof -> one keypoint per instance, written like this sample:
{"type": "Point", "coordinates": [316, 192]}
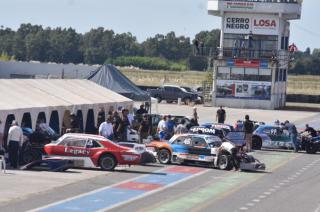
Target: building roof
{"type": "Point", "coordinates": [19, 69]}
{"type": "Point", "coordinates": [44, 93]}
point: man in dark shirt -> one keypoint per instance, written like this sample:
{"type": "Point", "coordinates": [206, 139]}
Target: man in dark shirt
{"type": "Point", "coordinates": [144, 128]}
{"type": "Point", "coordinates": [141, 111]}
{"type": "Point", "coordinates": [221, 115]}
{"type": "Point", "coordinates": [248, 129]}
{"type": "Point", "coordinates": [123, 125]}
{"type": "Point", "coordinates": [311, 131]}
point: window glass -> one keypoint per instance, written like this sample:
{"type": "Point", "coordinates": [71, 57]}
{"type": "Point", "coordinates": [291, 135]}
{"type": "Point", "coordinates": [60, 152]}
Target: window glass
{"type": "Point", "coordinates": [251, 74]}
{"type": "Point", "coordinates": [75, 142]}
{"type": "Point", "coordinates": [197, 141]}
{"type": "Point", "coordinates": [92, 144]}
{"type": "Point", "coordinates": [237, 73]}
{"type": "Point", "coordinates": [265, 75]}
{"type": "Point", "coordinates": [180, 140]}
{"type": "Point", "coordinates": [223, 73]}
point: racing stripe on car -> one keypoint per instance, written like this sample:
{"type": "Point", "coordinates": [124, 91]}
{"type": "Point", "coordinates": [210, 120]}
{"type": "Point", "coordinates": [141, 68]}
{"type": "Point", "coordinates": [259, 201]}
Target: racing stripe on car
{"type": "Point", "coordinates": [128, 191]}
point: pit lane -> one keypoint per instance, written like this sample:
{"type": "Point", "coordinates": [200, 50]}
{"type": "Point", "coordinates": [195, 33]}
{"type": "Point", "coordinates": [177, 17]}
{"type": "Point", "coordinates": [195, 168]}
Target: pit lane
{"type": "Point", "coordinates": [28, 190]}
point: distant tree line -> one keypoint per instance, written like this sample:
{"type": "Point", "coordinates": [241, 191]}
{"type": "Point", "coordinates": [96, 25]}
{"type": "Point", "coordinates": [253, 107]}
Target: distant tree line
{"type": "Point", "coordinates": [98, 46]}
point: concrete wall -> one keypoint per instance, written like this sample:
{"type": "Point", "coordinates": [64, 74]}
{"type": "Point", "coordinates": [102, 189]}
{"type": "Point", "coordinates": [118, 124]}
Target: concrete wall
{"type": "Point", "coordinates": [243, 103]}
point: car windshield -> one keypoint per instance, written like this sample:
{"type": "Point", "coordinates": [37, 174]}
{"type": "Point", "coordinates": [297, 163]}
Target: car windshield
{"type": "Point", "coordinates": [184, 90]}
{"type": "Point", "coordinates": [187, 89]}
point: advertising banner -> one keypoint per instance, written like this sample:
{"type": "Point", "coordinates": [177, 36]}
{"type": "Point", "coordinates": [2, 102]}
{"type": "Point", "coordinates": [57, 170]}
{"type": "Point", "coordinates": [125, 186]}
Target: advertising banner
{"type": "Point", "coordinates": [257, 24]}
{"type": "Point", "coordinates": [244, 89]}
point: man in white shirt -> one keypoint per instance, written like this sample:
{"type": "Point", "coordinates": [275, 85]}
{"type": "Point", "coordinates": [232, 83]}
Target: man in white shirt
{"type": "Point", "coordinates": [106, 128]}
{"type": "Point", "coordinates": [14, 142]}
{"type": "Point", "coordinates": [162, 128]}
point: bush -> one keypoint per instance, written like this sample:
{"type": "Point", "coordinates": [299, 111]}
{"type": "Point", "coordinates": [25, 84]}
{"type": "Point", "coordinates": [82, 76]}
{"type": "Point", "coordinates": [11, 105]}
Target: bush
{"type": "Point", "coordinates": [151, 63]}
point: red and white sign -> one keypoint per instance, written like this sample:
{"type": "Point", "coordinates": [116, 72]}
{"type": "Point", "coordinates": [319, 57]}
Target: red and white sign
{"type": "Point", "coordinates": [247, 63]}
{"type": "Point", "coordinates": [244, 23]}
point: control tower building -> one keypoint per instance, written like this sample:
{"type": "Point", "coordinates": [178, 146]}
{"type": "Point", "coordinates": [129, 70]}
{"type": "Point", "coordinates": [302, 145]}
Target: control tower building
{"type": "Point", "coordinates": [251, 67]}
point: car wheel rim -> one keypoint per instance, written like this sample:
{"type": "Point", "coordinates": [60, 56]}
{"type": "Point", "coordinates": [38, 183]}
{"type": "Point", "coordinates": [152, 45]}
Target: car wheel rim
{"type": "Point", "coordinates": [107, 163]}
{"type": "Point", "coordinates": [223, 162]}
{"type": "Point", "coordinates": [164, 156]}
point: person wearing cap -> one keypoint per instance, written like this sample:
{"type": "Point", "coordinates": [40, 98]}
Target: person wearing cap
{"type": "Point", "coordinates": [248, 129]}
{"type": "Point", "coordinates": [14, 142]}
{"type": "Point", "coordinates": [106, 128]}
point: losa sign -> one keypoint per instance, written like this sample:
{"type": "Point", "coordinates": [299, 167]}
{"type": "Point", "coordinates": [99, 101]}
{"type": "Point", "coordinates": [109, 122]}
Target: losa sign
{"type": "Point", "coordinates": [244, 23]}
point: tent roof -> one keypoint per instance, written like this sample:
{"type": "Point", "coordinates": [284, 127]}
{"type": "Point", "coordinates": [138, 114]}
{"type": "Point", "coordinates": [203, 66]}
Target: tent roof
{"type": "Point", "coordinates": [44, 93]}
{"type": "Point", "coordinates": [110, 77]}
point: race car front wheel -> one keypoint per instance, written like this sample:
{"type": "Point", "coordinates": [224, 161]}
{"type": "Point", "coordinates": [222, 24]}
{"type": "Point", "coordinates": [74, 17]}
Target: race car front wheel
{"type": "Point", "coordinates": [164, 156]}
{"type": "Point", "coordinates": [256, 143]}
{"type": "Point", "coordinates": [311, 149]}
{"type": "Point", "coordinates": [107, 162]}
{"type": "Point", "coordinates": [224, 162]}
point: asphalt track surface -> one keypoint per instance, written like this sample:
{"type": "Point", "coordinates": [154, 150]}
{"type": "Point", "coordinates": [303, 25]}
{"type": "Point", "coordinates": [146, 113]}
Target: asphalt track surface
{"type": "Point", "coordinates": [291, 182]}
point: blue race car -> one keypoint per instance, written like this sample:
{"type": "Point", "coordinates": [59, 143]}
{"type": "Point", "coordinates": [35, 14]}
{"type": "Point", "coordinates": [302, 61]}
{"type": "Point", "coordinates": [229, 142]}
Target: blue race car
{"type": "Point", "coordinates": [270, 136]}
{"type": "Point", "coordinates": [202, 149]}
{"type": "Point", "coordinates": [195, 148]}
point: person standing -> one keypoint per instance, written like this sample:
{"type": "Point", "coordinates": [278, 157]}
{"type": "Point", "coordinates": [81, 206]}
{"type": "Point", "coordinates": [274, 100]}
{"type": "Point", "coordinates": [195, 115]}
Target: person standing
{"type": "Point", "coordinates": [123, 126]}
{"type": "Point", "coordinates": [106, 128]}
{"type": "Point", "coordinates": [144, 128]}
{"type": "Point", "coordinates": [115, 123]}
{"type": "Point", "coordinates": [162, 128]}
{"type": "Point", "coordinates": [221, 115]}
{"type": "Point", "coordinates": [170, 127]}
{"type": "Point", "coordinates": [248, 129]}
{"type": "Point", "coordinates": [293, 133]}
{"type": "Point", "coordinates": [14, 141]}
{"type": "Point", "coordinates": [311, 131]}
{"type": "Point", "coordinates": [181, 128]}
{"type": "Point", "coordinates": [195, 116]}
{"type": "Point", "coordinates": [141, 111]}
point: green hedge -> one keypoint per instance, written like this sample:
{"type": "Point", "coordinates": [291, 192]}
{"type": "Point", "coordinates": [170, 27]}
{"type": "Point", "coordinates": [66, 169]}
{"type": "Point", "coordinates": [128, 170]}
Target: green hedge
{"type": "Point", "coordinates": [151, 63]}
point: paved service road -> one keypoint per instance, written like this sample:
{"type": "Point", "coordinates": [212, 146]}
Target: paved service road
{"type": "Point", "coordinates": [290, 183]}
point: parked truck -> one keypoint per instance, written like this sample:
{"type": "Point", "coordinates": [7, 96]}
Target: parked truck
{"type": "Point", "coordinates": [172, 93]}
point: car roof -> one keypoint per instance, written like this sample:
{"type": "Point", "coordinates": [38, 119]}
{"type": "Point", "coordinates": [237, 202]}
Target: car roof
{"type": "Point", "coordinates": [82, 135]}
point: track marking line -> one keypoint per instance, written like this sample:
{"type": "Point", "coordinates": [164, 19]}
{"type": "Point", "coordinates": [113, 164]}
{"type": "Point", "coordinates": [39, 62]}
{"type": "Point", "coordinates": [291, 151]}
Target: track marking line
{"type": "Point", "coordinates": [256, 200]}
{"type": "Point", "coordinates": [250, 204]}
{"type": "Point", "coordinates": [262, 196]}
{"type": "Point", "coordinates": [272, 190]}
{"type": "Point", "coordinates": [267, 193]}
{"type": "Point", "coordinates": [117, 184]}
{"type": "Point", "coordinates": [243, 208]}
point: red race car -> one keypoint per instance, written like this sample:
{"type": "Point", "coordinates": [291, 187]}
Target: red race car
{"type": "Point", "coordinates": [92, 151]}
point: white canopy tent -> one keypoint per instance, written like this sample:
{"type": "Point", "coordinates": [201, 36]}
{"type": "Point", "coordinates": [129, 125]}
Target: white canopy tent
{"type": "Point", "coordinates": [35, 96]}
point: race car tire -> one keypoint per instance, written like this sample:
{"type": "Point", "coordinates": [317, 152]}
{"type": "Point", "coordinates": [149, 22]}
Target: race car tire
{"type": "Point", "coordinates": [224, 162]}
{"type": "Point", "coordinates": [29, 156]}
{"type": "Point", "coordinates": [311, 149]}
{"type": "Point", "coordinates": [107, 162]}
{"type": "Point", "coordinates": [164, 156]}
{"type": "Point", "coordinates": [256, 143]}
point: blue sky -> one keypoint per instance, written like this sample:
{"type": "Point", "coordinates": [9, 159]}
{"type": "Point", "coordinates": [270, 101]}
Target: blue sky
{"type": "Point", "coordinates": [143, 18]}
